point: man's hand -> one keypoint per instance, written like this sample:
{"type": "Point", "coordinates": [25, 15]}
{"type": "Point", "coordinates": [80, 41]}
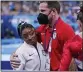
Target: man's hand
{"type": "Point", "coordinates": [14, 61]}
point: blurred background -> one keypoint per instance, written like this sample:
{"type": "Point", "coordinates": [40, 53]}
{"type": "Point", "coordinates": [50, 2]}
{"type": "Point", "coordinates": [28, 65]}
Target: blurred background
{"type": "Point", "coordinates": [12, 12]}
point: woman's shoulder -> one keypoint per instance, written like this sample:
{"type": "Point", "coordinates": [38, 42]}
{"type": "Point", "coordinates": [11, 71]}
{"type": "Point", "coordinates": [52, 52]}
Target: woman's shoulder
{"type": "Point", "coordinates": [20, 49]}
{"type": "Point", "coordinates": [25, 49]}
{"type": "Point", "coordinates": [39, 45]}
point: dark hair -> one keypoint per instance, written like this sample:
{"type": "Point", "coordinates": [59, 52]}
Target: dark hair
{"type": "Point", "coordinates": [22, 26]}
{"type": "Point", "coordinates": [81, 8]}
{"type": "Point", "coordinates": [53, 4]}
{"type": "Point", "coordinates": [80, 14]}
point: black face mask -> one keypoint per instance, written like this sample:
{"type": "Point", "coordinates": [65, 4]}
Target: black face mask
{"type": "Point", "coordinates": [42, 19]}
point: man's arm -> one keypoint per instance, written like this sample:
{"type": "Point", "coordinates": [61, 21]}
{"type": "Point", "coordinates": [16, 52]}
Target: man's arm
{"type": "Point", "coordinates": [15, 63]}
{"type": "Point", "coordinates": [19, 62]}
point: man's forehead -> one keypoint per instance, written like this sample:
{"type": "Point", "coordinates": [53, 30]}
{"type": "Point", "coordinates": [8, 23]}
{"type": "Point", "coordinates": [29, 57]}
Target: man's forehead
{"type": "Point", "coordinates": [43, 5]}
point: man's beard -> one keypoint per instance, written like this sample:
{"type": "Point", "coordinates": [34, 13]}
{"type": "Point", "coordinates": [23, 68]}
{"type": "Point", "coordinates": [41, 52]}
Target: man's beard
{"type": "Point", "coordinates": [50, 22]}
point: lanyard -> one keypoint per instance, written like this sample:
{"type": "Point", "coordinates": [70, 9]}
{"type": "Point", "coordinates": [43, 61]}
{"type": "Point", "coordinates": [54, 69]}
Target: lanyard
{"type": "Point", "coordinates": [51, 37]}
{"type": "Point", "coordinates": [50, 41]}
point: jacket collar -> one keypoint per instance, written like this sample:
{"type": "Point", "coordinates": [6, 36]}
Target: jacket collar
{"type": "Point", "coordinates": [31, 46]}
{"type": "Point", "coordinates": [59, 22]}
{"type": "Point", "coordinates": [28, 45]}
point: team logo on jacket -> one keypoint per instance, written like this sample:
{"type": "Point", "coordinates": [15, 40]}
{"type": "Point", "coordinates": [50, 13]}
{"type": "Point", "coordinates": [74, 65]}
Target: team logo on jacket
{"type": "Point", "coordinates": [54, 35]}
{"type": "Point", "coordinates": [42, 33]}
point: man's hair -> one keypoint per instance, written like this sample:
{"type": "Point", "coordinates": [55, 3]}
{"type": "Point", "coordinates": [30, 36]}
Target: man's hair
{"type": "Point", "coordinates": [22, 26]}
{"type": "Point", "coordinates": [80, 14]}
{"type": "Point", "coordinates": [53, 4]}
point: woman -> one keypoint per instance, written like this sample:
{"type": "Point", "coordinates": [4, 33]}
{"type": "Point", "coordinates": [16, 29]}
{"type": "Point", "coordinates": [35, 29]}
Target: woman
{"type": "Point", "coordinates": [73, 48]}
{"type": "Point", "coordinates": [31, 53]}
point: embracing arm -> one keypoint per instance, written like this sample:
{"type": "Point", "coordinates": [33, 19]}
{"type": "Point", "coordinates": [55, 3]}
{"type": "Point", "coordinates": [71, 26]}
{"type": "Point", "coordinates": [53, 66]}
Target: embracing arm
{"type": "Point", "coordinates": [13, 61]}
{"type": "Point", "coordinates": [17, 61]}
{"type": "Point", "coordinates": [65, 60]}
{"type": "Point", "coordinates": [71, 49]}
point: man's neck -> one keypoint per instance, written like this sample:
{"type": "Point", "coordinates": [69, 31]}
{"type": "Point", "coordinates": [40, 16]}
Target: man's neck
{"type": "Point", "coordinates": [54, 20]}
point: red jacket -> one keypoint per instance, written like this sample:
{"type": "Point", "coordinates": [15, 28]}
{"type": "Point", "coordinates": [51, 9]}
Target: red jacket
{"type": "Point", "coordinates": [64, 32]}
{"type": "Point", "coordinates": [72, 48]}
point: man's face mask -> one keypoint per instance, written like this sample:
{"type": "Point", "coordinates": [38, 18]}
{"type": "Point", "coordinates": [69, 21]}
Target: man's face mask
{"type": "Point", "coordinates": [42, 18]}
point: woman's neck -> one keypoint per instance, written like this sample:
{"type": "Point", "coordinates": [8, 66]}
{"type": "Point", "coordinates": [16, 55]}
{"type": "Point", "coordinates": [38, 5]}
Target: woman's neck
{"type": "Point", "coordinates": [35, 45]}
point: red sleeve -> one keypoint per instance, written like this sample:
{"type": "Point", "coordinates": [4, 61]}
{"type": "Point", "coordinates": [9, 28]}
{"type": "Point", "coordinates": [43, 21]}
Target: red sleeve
{"type": "Point", "coordinates": [66, 59]}
{"type": "Point", "coordinates": [76, 45]}
{"type": "Point", "coordinates": [71, 49]}
{"type": "Point", "coordinates": [68, 32]}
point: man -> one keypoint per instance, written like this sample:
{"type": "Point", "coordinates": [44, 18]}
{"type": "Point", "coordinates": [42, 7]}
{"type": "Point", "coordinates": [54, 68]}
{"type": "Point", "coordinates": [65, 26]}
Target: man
{"type": "Point", "coordinates": [53, 31]}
